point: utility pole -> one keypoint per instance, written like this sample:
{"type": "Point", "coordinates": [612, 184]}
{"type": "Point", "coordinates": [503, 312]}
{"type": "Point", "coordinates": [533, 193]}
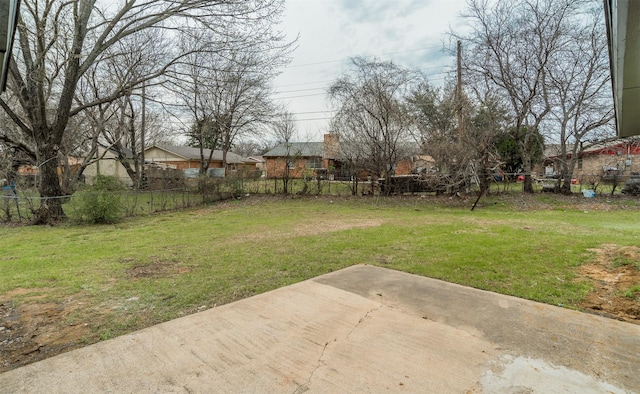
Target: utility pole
{"type": "Point", "coordinates": [459, 94]}
{"type": "Point", "coordinates": [143, 126]}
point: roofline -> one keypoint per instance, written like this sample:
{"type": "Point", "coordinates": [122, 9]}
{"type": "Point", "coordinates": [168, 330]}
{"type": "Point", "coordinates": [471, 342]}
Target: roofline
{"type": "Point", "coordinates": [609, 29]}
{"type": "Point", "coordinates": [232, 161]}
{"type": "Point", "coordinates": [166, 150]}
{"type": "Point", "coordinates": [628, 141]}
{"type": "Point", "coordinates": [622, 20]}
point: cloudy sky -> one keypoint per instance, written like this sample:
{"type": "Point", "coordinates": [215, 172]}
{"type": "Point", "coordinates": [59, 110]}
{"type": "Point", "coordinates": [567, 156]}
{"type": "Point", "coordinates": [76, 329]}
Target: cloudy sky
{"type": "Point", "coordinates": [412, 33]}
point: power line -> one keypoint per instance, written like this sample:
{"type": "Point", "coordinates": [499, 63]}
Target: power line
{"type": "Point", "coordinates": [312, 112]}
{"type": "Point", "coordinates": [306, 120]}
{"type": "Point", "coordinates": [374, 55]}
{"type": "Point", "coordinates": [442, 77]}
{"type": "Point", "coordinates": [305, 83]}
{"type": "Point", "coordinates": [332, 80]}
{"type": "Point", "coordinates": [298, 90]}
{"type": "Point", "coordinates": [304, 95]}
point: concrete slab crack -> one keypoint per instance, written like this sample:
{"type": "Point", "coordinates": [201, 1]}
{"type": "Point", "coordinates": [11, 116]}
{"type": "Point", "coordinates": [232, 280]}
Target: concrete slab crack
{"type": "Point", "coordinates": [305, 386]}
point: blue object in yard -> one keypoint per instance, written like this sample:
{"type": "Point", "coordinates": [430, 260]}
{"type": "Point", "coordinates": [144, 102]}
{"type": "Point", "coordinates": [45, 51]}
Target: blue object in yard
{"type": "Point", "coordinates": [588, 193]}
{"type": "Point", "coordinates": [10, 188]}
{"type": "Point", "coordinates": [11, 192]}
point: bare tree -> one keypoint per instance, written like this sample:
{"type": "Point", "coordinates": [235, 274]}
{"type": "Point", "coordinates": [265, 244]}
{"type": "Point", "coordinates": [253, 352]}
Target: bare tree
{"type": "Point", "coordinates": [438, 134]}
{"type": "Point", "coordinates": [191, 84]}
{"type": "Point", "coordinates": [121, 124]}
{"type": "Point", "coordinates": [489, 120]}
{"type": "Point", "coordinates": [372, 114]}
{"type": "Point", "coordinates": [355, 160]}
{"type": "Point", "coordinates": [580, 91]}
{"type": "Point", "coordinates": [284, 129]}
{"type": "Point", "coordinates": [462, 153]}
{"type": "Point", "coordinates": [246, 147]}
{"type": "Point", "coordinates": [510, 46]}
{"type": "Point", "coordinates": [59, 42]}
{"type": "Point", "coordinates": [240, 100]}
{"type": "Point", "coordinates": [226, 92]}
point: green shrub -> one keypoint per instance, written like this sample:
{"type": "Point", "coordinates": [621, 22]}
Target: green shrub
{"type": "Point", "coordinates": [102, 203]}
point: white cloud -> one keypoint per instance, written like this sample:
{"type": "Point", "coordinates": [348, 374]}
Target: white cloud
{"type": "Point", "coordinates": [409, 32]}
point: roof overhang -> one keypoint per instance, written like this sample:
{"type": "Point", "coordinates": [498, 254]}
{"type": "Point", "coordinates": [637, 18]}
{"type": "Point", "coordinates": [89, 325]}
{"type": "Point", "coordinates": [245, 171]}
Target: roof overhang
{"type": "Point", "coordinates": [8, 23]}
{"type": "Point", "coordinates": [623, 31]}
{"type": "Point", "coordinates": [168, 150]}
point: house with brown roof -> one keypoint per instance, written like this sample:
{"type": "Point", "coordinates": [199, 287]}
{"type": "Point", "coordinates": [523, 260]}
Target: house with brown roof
{"type": "Point", "coordinates": [603, 160]}
{"type": "Point", "coordinates": [168, 157]}
{"type": "Point", "coordinates": [619, 158]}
{"type": "Point", "coordinates": [186, 157]}
{"type": "Point", "coordinates": [303, 158]}
{"type": "Point", "coordinates": [321, 159]}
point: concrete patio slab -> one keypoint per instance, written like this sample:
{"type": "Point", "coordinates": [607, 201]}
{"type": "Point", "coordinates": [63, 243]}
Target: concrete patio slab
{"type": "Point", "coordinates": [362, 329]}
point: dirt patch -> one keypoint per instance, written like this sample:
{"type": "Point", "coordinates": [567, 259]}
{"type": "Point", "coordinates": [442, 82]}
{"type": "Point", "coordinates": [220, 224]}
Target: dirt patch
{"type": "Point", "coordinates": [322, 226]}
{"type": "Point", "coordinates": [33, 328]}
{"type": "Point", "coordinates": [236, 203]}
{"type": "Point", "coordinates": [36, 330]}
{"type": "Point", "coordinates": [318, 226]}
{"type": "Point", "coordinates": [616, 281]}
{"type": "Point", "coordinates": [157, 268]}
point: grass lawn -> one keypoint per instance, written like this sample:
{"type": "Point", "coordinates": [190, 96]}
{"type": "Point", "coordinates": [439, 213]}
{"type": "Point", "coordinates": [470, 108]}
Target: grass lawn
{"type": "Point", "coordinates": [154, 268]}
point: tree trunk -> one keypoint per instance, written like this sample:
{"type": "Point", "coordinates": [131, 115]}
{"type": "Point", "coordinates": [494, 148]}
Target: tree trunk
{"type": "Point", "coordinates": [568, 173]}
{"type": "Point", "coordinates": [566, 185]}
{"type": "Point", "coordinates": [224, 160]}
{"type": "Point", "coordinates": [226, 146]}
{"type": "Point", "coordinates": [565, 178]}
{"type": "Point", "coordinates": [285, 177]}
{"type": "Point", "coordinates": [50, 211]}
{"type": "Point", "coordinates": [484, 179]}
{"type": "Point", "coordinates": [132, 173]}
{"type": "Point", "coordinates": [527, 187]}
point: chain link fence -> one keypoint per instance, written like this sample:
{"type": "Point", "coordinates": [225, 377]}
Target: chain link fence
{"type": "Point", "coordinates": [19, 205]}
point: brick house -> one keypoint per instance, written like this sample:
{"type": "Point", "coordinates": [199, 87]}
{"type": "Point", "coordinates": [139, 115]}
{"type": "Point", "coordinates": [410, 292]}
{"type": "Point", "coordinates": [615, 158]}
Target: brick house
{"type": "Point", "coordinates": [259, 162]}
{"type": "Point", "coordinates": [316, 159]}
{"type": "Point", "coordinates": [602, 161]}
{"type": "Point", "coordinates": [303, 158]}
{"type": "Point", "coordinates": [618, 158]}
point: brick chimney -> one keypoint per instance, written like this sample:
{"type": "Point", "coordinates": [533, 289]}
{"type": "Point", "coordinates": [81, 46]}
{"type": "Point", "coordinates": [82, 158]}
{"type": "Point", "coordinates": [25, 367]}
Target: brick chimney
{"type": "Point", "coordinates": [331, 146]}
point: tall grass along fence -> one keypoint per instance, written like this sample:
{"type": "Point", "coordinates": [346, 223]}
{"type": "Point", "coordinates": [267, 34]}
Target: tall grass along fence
{"type": "Point", "coordinates": [106, 206]}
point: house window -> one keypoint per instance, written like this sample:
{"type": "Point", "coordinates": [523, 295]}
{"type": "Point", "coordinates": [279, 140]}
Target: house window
{"type": "Point", "coordinates": [314, 162]}
{"type": "Point", "coordinates": [291, 164]}
{"type": "Point", "coordinates": [580, 163]}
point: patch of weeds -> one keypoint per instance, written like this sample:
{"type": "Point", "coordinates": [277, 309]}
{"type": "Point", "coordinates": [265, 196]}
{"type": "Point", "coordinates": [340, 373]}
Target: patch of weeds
{"type": "Point", "coordinates": [118, 325]}
{"type": "Point", "coordinates": [87, 340]}
{"type": "Point", "coordinates": [106, 334]}
{"type": "Point", "coordinates": [632, 292]}
{"type": "Point", "coordinates": [625, 257]}
{"type": "Point", "coordinates": [102, 203]}
{"type": "Point", "coordinates": [547, 199]}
